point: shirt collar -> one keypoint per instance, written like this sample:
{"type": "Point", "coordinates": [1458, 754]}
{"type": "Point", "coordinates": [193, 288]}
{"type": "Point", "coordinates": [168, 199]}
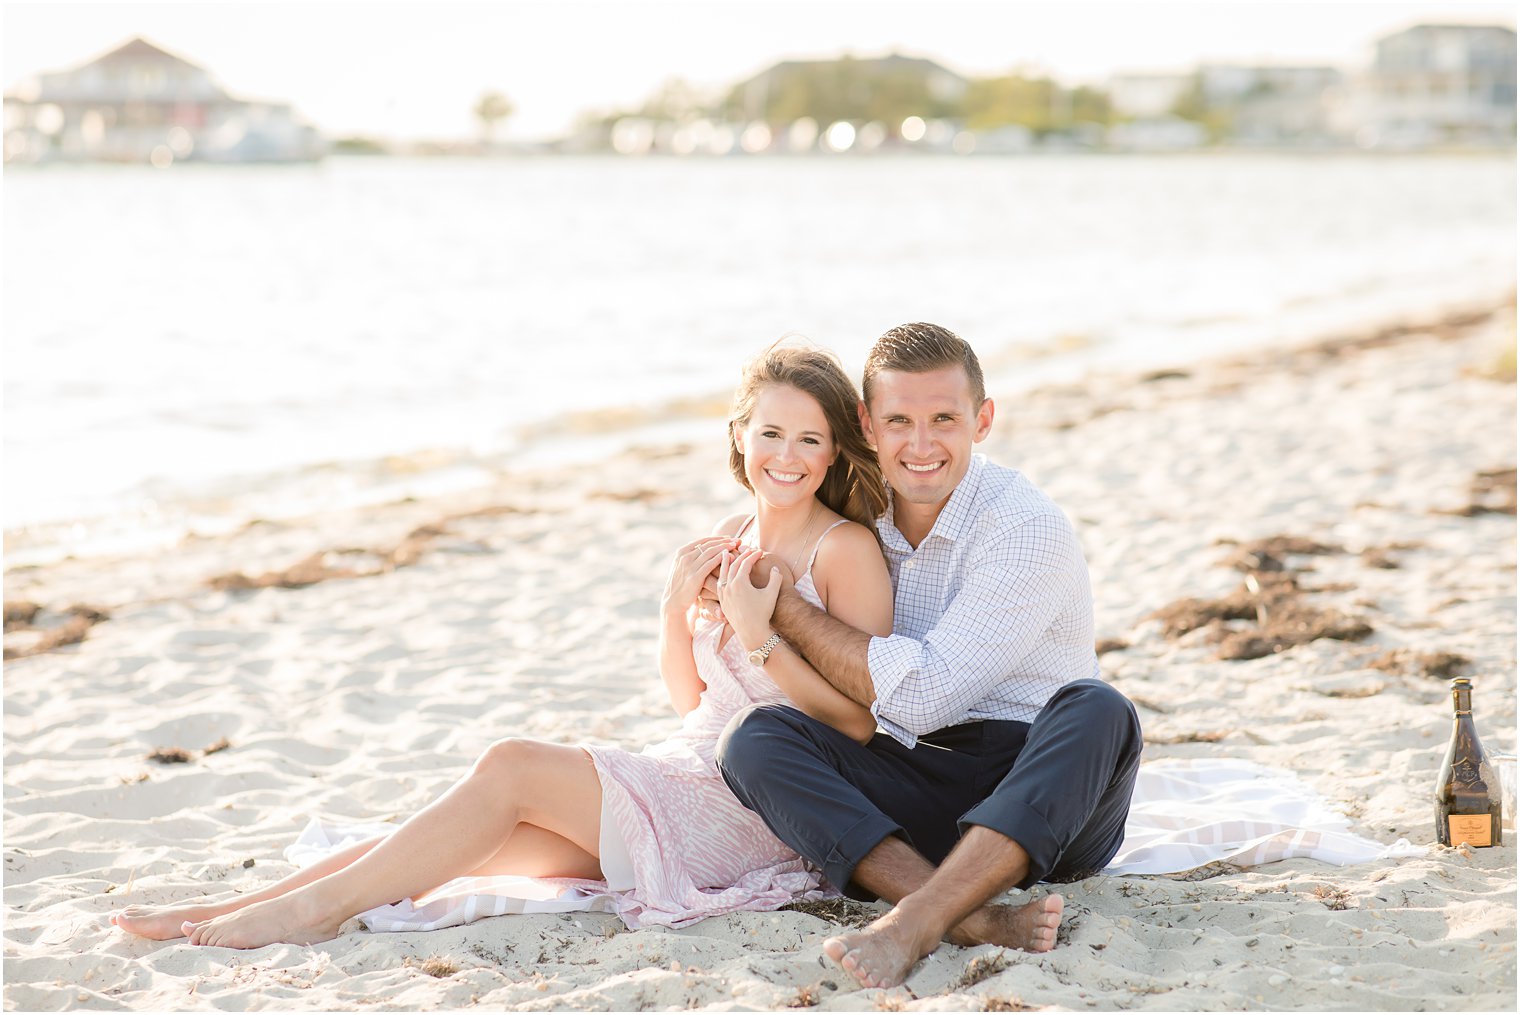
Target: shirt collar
{"type": "Point", "coordinates": [954, 518]}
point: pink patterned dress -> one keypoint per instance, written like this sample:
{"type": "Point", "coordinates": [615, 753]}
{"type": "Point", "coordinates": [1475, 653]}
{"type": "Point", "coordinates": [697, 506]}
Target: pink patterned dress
{"type": "Point", "coordinates": [676, 845]}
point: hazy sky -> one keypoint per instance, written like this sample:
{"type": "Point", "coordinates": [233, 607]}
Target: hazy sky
{"type": "Point", "coordinates": [416, 69]}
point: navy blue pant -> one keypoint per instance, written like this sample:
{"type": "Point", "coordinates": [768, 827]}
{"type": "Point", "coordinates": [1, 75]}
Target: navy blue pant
{"type": "Point", "coordinates": [1060, 786]}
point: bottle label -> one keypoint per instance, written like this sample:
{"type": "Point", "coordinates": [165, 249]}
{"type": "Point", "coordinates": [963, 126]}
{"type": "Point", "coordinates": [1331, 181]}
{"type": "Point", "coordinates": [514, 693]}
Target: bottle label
{"type": "Point", "coordinates": [1473, 829]}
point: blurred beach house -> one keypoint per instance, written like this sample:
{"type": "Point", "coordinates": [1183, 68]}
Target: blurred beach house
{"type": "Point", "coordinates": [1440, 83]}
{"type": "Point", "coordinates": [1430, 86]}
{"type": "Point", "coordinates": [140, 103]}
{"type": "Point", "coordinates": [1427, 87]}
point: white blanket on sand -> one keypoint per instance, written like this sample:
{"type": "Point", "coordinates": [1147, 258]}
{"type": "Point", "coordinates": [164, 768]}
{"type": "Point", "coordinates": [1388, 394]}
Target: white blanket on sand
{"type": "Point", "coordinates": [1184, 814]}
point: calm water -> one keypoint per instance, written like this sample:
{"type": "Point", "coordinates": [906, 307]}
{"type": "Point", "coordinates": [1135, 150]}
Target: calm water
{"type": "Point", "coordinates": [207, 342]}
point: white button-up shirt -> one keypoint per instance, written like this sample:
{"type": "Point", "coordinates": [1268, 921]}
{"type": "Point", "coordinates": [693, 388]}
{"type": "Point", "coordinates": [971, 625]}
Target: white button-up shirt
{"type": "Point", "coordinates": [994, 609]}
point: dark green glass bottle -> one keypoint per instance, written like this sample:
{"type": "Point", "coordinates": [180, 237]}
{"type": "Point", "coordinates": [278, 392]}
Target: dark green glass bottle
{"type": "Point", "coordinates": [1467, 787]}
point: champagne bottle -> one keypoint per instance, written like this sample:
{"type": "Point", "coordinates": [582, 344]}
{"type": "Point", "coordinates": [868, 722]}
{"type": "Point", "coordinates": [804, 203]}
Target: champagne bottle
{"type": "Point", "coordinates": [1467, 787]}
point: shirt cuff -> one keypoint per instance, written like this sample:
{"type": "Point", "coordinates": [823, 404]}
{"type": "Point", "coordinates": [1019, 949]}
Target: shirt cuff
{"type": "Point", "coordinates": [890, 661]}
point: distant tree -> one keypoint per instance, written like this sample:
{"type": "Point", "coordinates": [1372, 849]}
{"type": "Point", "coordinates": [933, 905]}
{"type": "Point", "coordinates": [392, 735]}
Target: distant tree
{"type": "Point", "coordinates": [844, 89]}
{"type": "Point", "coordinates": [358, 145]}
{"type": "Point", "coordinates": [1193, 104]}
{"type": "Point", "coordinates": [1090, 105]}
{"type": "Point", "coordinates": [491, 109]}
{"type": "Point", "coordinates": [1014, 99]}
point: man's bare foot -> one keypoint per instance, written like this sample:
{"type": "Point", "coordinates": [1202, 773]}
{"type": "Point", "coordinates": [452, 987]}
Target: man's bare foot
{"type": "Point", "coordinates": [882, 954]}
{"type": "Point", "coordinates": [1030, 927]}
{"type": "Point", "coordinates": [289, 918]}
{"type": "Point", "coordinates": [161, 923]}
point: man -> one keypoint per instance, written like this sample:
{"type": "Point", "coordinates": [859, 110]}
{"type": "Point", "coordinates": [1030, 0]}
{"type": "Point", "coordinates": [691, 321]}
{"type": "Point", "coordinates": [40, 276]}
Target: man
{"type": "Point", "coordinates": [999, 757]}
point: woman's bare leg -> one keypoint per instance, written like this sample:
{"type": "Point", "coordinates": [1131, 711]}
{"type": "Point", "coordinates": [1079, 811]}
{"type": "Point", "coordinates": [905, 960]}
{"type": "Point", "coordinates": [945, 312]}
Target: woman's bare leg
{"type": "Point", "coordinates": [534, 852]}
{"type": "Point", "coordinates": [514, 782]}
{"type": "Point", "coordinates": [529, 851]}
{"type": "Point", "coordinates": [163, 922]}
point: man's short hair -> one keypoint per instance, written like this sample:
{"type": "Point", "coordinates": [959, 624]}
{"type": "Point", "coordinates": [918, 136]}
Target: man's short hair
{"type": "Point", "coordinates": [919, 348]}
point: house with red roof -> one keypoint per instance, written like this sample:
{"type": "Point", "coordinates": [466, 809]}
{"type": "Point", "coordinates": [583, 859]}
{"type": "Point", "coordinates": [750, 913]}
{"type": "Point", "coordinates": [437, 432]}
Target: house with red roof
{"type": "Point", "coordinates": [141, 103]}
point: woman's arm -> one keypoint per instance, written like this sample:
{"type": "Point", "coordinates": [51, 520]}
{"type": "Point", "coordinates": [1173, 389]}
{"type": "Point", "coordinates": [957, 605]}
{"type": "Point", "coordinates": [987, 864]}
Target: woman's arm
{"type": "Point", "coordinates": [851, 577]}
{"type": "Point", "coordinates": [693, 562]}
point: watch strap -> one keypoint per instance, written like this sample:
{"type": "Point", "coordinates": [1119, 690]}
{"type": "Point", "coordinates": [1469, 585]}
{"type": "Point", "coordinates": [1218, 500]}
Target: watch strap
{"type": "Point", "coordinates": [763, 653]}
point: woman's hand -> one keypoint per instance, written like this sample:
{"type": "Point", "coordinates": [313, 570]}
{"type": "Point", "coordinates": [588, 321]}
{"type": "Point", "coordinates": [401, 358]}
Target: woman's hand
{"type": "Point", "coordinates": [693, 563]}
{"type": "Point", "coordinates": [747, 608]}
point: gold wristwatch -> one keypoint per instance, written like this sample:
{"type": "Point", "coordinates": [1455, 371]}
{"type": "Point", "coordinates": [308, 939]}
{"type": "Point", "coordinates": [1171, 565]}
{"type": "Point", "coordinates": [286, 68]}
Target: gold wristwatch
{"type": "Point", "coordinates": [761, 654]}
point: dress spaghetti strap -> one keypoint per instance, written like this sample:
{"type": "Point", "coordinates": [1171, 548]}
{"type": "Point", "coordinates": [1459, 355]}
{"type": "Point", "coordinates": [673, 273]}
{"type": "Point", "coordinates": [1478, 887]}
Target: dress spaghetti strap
{"type": "Point", "coordinates": [819, 544]}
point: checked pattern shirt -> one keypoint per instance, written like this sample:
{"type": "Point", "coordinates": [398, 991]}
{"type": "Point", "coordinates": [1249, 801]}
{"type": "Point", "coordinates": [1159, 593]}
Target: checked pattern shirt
{"type": "Point", "coordinates": [994, 609]}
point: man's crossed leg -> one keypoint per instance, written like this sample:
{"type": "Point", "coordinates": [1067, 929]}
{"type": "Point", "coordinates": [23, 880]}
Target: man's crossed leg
{"type": "Point", "coordinates": [995, 804]}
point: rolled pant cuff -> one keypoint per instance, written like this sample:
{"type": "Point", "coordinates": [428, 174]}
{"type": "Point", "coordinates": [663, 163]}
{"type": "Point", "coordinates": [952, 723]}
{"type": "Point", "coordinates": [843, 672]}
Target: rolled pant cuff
{"type": "Point", "coordinates": [1025, 826]}
{"type": "Point", "coordinates": [852, 847]}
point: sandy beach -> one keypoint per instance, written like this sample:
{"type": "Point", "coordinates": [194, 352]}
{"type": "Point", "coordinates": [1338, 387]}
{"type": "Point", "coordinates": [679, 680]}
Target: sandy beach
{"type": "Point", "coordinates": [173, 720]}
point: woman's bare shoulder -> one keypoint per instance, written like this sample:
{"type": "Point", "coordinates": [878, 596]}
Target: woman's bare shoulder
{"type": "Point", "coordinates": [846, 547]}
{"type": "Point", "coordinates": [730, 525]}
{"type": "Point", "coordinates": [851, 577]}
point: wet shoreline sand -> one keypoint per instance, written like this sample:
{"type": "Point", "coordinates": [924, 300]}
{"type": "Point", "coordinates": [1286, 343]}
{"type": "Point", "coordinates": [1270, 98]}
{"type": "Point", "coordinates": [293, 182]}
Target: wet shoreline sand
{"type": "Point", "coordinates": [346, 695]}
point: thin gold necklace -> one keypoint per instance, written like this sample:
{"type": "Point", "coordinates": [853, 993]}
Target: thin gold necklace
{"type": "Point", "coordinates": [806, 528]}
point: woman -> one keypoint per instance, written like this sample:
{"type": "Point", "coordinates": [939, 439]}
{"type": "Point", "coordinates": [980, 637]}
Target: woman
{"type": "Point", "coordinates": [658, 829]}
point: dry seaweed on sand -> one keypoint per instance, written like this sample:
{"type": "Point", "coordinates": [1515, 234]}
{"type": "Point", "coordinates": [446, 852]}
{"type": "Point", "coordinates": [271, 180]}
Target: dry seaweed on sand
{"type": "Point", "coordinates": [78, 619]}
{"type": "Point", "coordinates": [169, 755]}
{"type": "Point", "coordinates": [1492, 492]}
{"type": "Point", "coordinates": [847, 912]}
{"type": "Point", "coordinates": [1217, 869]}
{"type": "Point", "coordinates": [327, 565]}
{"type": "Point", "coordinates": [1442, 665]}
{"type": "Point", "coordinates": [20, 613]}
{"type": "Point", "coordinates": [809, 996]}
{"type": "Point", "coordinates": [1333, 897]}
{"type": "Point", "coordinates": [1277, 609]}
{"type": "Point", "coordinates": [1270, 553]}
{"type": "Point", "coordinates": [434, 965]}
{"type": "Point", "coordinates": [981, 967]}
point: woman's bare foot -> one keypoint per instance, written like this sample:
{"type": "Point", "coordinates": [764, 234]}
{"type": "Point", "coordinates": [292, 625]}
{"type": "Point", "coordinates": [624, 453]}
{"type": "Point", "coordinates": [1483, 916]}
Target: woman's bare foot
{"type": "Point", "coordinates": [882, 954]}
{"type": "Point", "coordinates": [293, 918]}
{"type": "Point", "coordinates": [161, 923]}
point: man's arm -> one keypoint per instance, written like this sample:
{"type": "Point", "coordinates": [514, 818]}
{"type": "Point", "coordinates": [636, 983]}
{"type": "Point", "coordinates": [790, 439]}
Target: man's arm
{"type": "Point", "coordinates": [837, 651]}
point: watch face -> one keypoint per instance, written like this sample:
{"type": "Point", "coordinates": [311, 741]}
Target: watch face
{"type": "Point", "coordinates": [756, 658]}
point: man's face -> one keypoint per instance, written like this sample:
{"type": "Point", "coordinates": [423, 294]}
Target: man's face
{"type": "Point", "coordinates": [923, 426]}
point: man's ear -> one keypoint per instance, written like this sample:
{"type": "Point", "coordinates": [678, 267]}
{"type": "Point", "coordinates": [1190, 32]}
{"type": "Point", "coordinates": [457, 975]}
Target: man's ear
{"type": "Point", "coordinates": [983, 421]}
{"type": "Point", "coordinates": [865, 423]}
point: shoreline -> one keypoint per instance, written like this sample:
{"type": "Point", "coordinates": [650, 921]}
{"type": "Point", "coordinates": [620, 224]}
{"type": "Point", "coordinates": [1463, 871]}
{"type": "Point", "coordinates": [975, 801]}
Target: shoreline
{"type": "Point", "coordinates": [154, 515]}
{"type": "Point", "coordinates": [499, 487]}
{"type": "Point", "coordinates": [364, 698]}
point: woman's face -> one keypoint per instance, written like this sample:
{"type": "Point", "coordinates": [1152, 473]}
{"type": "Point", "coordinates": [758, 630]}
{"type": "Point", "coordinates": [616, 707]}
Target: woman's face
{"type": "Point", "coordinates": [787, 446]}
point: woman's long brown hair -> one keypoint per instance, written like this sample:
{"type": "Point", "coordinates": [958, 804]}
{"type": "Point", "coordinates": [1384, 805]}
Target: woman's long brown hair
{"type": "Point", "coordinates": [853, 487]}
